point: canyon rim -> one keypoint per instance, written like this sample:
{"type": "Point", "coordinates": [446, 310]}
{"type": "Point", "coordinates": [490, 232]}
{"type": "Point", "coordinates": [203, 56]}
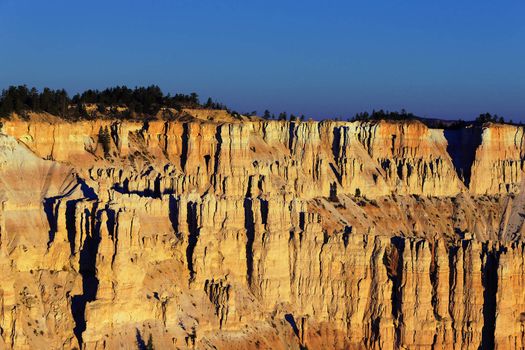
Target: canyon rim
{"type": "Point", "coordinates": [210, 231]}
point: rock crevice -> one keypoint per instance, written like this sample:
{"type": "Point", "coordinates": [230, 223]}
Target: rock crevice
{"type": "Point", "coordinates": [261, 235]}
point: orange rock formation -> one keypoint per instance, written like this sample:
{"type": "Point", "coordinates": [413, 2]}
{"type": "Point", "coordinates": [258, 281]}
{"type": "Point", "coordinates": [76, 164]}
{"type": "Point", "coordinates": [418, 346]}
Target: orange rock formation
{"type": "Point", "coordinates": [259, 234]}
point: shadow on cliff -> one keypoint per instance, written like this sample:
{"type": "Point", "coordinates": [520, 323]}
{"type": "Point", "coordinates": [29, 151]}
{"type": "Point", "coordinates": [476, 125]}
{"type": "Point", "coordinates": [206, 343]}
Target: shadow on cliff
{"type": "Point", "coordinates": [194, 232]}
{"type": "Point", "coordinates": [250, 237]}
{"type": "Point", "coordinates": [298, 333]}
{"type": "Point", "coordinates": [147, 192]}
{"type": "Point", "coordinates": [51, 211]}
{"type": "Point", "coordinates": [462, 146]}
{"type": "Point", "coordinates": [490, 289]}
{"type": "Point", "coordinates": [87, 263]}
{"type": "Point", "coordinates": [141, 344]}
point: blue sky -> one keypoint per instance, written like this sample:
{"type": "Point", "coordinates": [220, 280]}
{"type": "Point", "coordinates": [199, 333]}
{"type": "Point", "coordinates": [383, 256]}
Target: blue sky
{"type": "Point", "coordinates": [451, 59]}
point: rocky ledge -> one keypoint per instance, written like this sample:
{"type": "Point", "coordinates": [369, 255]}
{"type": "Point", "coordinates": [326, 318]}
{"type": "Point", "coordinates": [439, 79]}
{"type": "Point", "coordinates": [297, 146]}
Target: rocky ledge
{"type": "Point", "coordinates": [257, 234]}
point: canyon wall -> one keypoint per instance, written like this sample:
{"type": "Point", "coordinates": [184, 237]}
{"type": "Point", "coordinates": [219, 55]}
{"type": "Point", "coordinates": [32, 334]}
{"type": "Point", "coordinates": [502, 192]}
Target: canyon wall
{"type": "Point", "coordinates": [203, 234]}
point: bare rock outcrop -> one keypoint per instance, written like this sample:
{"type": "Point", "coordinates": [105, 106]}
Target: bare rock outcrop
{"type": "Point", "coordinates": [216, 233]}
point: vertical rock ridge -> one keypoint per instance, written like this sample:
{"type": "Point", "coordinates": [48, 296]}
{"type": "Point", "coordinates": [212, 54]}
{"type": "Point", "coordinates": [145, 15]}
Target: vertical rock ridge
{"type": "Point", "coordinates": [363, 234]}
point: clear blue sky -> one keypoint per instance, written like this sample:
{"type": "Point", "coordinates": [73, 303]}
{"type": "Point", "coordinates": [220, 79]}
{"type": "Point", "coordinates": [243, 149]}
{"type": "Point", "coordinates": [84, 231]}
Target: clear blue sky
{"type": "Point", "coordinates": [327, 58]}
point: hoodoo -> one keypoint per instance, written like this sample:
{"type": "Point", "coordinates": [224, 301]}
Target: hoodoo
{"type": "Point", "coordinates": [213, 232]}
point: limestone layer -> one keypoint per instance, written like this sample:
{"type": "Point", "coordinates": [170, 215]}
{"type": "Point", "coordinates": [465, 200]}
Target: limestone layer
{"type": "Point", "coordinates": [206, 234]}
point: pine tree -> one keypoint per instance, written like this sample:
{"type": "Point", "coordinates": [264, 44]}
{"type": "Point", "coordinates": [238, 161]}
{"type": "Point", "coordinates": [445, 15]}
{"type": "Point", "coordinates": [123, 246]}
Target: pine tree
{"type": "Point", "coordinates": [194, 98]}
{"type": "Point", "coordinates": [104, 139]}
{"type": "Point", "coordinates": [82, 112]}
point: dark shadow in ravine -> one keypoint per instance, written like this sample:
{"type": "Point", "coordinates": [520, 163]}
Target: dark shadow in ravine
{"type": "Point", "coordinates": [87, 263]}
{"type": "Point", "coordinates": [462, 146]}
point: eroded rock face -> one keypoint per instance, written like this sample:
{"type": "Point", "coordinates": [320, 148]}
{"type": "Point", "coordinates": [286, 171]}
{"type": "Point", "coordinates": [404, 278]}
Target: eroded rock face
{"type": "Point", "coordinates": [260, 235]}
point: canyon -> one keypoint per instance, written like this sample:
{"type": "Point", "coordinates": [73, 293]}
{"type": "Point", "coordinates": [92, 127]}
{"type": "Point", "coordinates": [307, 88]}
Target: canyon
{"type": "Point", "coordinates": [214, 232]}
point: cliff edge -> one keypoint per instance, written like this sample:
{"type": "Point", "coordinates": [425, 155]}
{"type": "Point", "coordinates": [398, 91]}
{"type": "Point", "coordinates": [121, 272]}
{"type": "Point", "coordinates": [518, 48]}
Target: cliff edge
{"type": "Point", "coordinates": [217, 232]}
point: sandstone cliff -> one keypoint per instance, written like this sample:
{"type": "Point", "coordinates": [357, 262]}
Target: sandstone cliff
{"type": "Point", "coordinates": [260, 234]}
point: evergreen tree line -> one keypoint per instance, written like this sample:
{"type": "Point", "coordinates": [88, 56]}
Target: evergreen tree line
{"type": "Point", "coordinates": [433, 123]}
{"type": "Point", "coordinates": [382, 115]}
{"type": "Point", "coordinates": [20, 99]}
{"type": "Point", "coordinates": [147, 101]}
{"type": "Point", "coordinates": [139, 101]}
{"type": "Point", "coordinates": [281, 116]}
{"type": "Point", "coordinates": [395, 115]}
